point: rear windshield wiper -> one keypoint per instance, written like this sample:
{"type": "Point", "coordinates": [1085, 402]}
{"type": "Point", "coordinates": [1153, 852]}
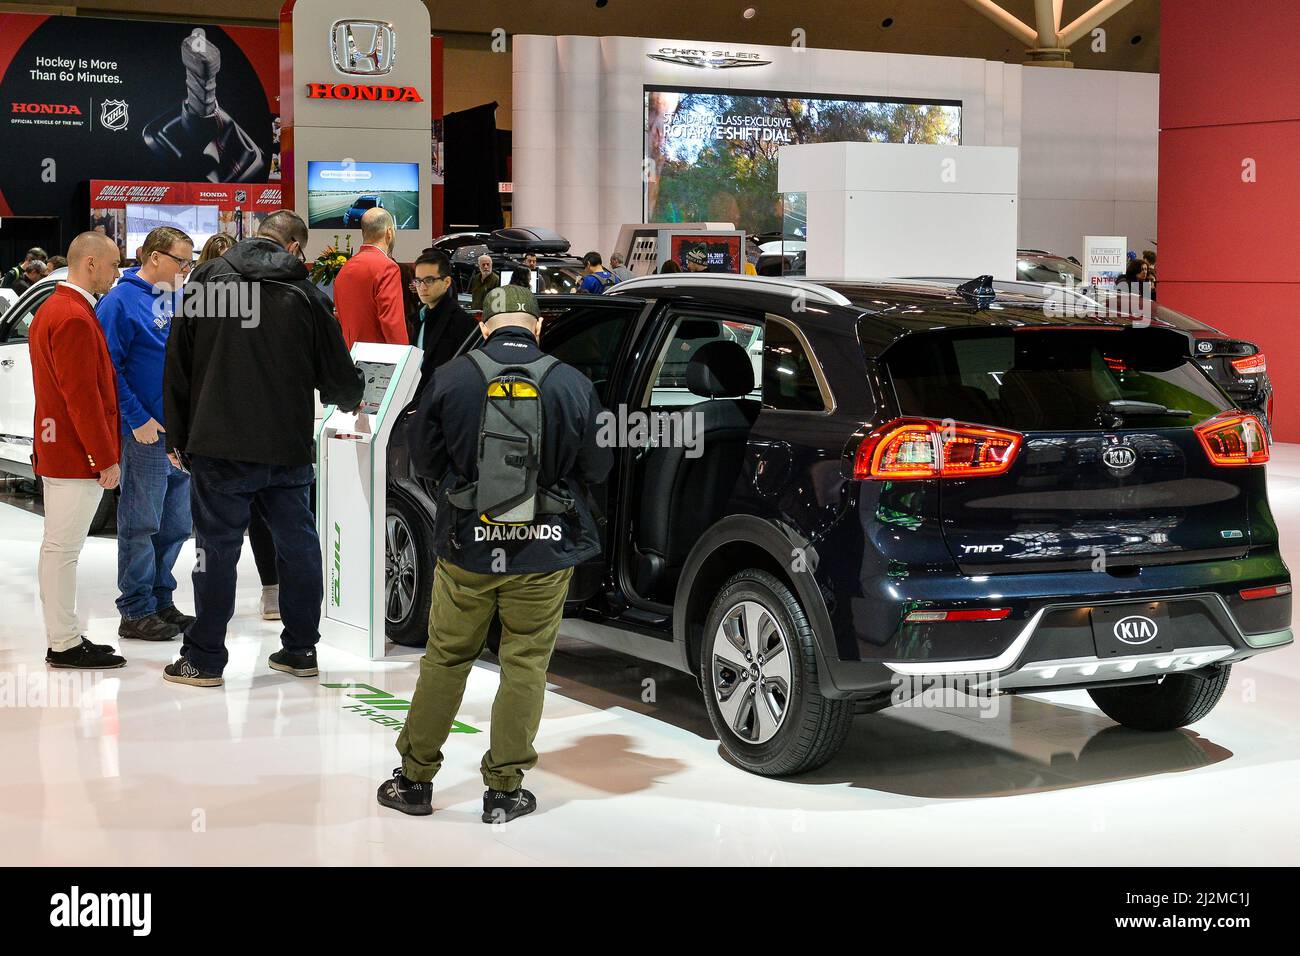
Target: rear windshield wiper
{"type": "Point", "coordinates": [1121, 408]}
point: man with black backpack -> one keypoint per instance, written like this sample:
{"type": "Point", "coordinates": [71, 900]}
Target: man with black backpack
{"type": "Point", "coordinates": [596, 278]}
{"type": "Point", "coordinates": [509, 434]}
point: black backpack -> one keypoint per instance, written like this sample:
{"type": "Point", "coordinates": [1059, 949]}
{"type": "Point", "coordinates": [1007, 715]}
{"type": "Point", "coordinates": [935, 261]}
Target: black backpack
{"type": "Point", "coordinates": [510, 446]}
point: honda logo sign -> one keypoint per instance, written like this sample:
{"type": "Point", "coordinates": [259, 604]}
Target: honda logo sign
{"type": "Point", "coordinates": [363, 47]}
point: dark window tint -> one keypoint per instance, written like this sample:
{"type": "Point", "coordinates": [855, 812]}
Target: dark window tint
{"type": "Point", "coordinates": [788, 378]}
{"type": "Point", "coordinates": [587, 339]}
{"type": "Point", "coordinates": [17, 322]}
{"type": "Point", "coordinates": [1051, 379]}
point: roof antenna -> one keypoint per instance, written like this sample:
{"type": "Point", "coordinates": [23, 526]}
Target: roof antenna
{"type": "Point", "coordinates": [978, 292]}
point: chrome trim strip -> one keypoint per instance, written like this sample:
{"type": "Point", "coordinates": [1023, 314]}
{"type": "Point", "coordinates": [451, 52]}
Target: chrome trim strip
{"type": "Point", "coordinates": [718, 280]}
{"type": "Point", "coordinates": [999, 663]}
{"type": "Point", "coordinates": [1082, 670]}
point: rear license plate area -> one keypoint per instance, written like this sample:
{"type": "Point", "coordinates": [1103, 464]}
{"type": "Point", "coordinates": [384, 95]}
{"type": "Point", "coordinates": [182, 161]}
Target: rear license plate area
{"type": "Point", "coordinates": [1122, 630]}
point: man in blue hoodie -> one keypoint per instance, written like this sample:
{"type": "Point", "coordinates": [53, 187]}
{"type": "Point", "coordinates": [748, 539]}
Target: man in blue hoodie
{"type": "Point", "coordinates": [153, 510]}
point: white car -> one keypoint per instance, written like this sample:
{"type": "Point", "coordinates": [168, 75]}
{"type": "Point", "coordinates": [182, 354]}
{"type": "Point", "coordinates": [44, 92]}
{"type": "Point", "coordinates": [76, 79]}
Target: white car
{"type": "Point", "coordinates": [18, 396]}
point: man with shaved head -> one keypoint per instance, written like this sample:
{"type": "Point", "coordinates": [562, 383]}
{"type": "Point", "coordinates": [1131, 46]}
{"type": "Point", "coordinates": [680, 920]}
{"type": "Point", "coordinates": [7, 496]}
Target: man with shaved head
{"type": "Point", "coordinates": [77, 444]}
{"type": "Point", "coordinates": [368, 289]}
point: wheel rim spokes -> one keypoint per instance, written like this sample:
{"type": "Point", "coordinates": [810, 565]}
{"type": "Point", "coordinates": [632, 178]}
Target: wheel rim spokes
{"type": "Point", "coordinates": [751, 672]}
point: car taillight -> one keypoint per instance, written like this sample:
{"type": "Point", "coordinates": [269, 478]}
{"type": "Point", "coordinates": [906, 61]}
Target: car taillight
{"type": "Point", "coordinates": [1251, 364]}
{"type": "Point", "coordinates": [966, 614]}
{"type": "Point", "coordinates": [1233, 439]}
{"type": "Point", "coordinates": [926, 448]}
{"type": "Point", "coordinates": [1254, 594]}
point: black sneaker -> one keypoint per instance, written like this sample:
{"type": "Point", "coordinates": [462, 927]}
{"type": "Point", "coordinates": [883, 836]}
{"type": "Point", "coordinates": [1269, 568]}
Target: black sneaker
{"type": "Point", "coordinates": [502, 806]}
{"type": "Point", "coordinates": [297, 663]}
{"type": "Point", "coordinates": [85, 656]}
{"type": "Point", "coordinates": [409, 796]}
{"type": "Point", "coordinates": [174, 616]}
{"type": "Point", "coordinates": [181, 671]}
{"type": "Point", "coordinates": [149, 628]}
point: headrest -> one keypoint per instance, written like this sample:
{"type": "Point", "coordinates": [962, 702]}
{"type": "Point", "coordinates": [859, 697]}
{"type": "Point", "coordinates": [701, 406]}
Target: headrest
{"type": "Point", "coordinates": [720, 369]}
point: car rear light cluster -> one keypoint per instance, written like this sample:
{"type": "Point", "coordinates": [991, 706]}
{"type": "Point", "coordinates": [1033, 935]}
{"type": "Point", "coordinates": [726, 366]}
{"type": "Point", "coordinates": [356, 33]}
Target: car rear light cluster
{"type": "Point", "coordinates": [1273, 590]}
{"type": "Point", "coordinates": [1233, 439]}
{"type": "Point", "coordinates": [966, 614]}
{"type": "Point", "coordinates": [926, 448]}
{"type": "Point", "coordinates": [1251, 364]}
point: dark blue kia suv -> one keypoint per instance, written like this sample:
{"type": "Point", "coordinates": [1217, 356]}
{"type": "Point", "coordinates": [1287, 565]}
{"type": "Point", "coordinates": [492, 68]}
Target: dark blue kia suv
{"type": "Point", "coordinates": [860, 490]}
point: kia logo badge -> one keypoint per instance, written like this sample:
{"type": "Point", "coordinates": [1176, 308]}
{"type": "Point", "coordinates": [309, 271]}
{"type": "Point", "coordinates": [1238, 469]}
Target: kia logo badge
{"type": "Point", "coordinates": [1135, 629]}
{"type": "Point", "coordinates": [363, 47]}
{"type": "Point", "coordinates": [1119, 458]}
{"type": "Point", "coordinates": [1205, 346]}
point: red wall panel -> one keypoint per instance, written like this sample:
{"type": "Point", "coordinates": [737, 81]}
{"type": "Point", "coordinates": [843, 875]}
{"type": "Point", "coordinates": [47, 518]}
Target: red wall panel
{"type": "Point", "coordinates": [1230, 250]}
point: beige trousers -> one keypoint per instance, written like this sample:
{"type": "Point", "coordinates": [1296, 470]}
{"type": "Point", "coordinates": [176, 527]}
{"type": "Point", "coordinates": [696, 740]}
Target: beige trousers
{"type": "Point", "coordinates": [70, 505]}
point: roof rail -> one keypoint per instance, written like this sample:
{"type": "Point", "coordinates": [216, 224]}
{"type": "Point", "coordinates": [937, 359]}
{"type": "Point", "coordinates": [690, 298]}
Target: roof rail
{"type": "Point", "coordinates": [725, 280]}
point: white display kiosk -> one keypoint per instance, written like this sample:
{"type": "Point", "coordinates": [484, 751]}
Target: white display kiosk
{"type": "Point", "coordinates": [905, 209]}
{"type": "Point", "coordinates": [352, 500]}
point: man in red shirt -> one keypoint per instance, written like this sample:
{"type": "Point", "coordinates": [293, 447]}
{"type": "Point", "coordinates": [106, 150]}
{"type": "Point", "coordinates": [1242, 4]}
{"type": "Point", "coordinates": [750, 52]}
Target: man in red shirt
{"type": "Point", "coordinates": [77, 442]}
{"type": "Point", "coordinates": [368, 289]}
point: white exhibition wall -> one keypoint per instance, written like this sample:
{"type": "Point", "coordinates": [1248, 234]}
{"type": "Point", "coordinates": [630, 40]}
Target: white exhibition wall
{"type": "Point", "coordinates": [1088, 138]}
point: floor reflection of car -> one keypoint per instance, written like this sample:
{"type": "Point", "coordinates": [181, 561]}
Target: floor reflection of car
{"type": "Point", "coordinates": [352, 216]}
{"type": "Point", "coordinates": [18, 397]}
{"type": "Point", "coordinates": [909, 486]}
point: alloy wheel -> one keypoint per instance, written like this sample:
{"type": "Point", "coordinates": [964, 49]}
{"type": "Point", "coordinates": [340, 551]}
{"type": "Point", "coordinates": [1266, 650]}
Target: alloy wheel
{"type": "Point", "coordinates": [751, 672]}
{"type": "Point", "coordinates": [399, 569]}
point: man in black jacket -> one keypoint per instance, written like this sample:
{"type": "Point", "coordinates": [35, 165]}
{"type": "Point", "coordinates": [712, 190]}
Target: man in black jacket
{"type": "Point", "coordinates": [442, 325]}
{"type": "Point", "coordinates": [250, 341]}
{"type": "Point", "coordinates": [520, 572]}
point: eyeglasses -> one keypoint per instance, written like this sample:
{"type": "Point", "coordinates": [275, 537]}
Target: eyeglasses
{"type": "Point", "coordinates": [426, 283]}
{"type": "Point", "coordinates": [185, 264]}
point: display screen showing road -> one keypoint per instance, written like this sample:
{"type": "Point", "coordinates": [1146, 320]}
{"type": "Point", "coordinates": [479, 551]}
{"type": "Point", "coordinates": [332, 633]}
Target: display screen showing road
{"type": "Point", "coordinates": [339, 193]}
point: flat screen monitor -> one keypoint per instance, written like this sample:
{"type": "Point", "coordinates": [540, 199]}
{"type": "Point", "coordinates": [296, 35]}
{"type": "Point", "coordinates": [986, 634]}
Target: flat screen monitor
{"type": "Point", "coordinates": [339, 193]}
{"type": "Point", "coordinates": [711, 155]}
{"type": "Point", "coordinates": [377, 375]}
{"type": "Point", "coordinates": [197, 222]}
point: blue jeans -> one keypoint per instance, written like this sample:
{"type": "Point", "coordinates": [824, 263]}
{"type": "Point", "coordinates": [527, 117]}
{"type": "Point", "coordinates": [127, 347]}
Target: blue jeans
{"type": "Point", "coordinates": [223, 495]}
{"type": "Point", "coordinates": [153, 521]}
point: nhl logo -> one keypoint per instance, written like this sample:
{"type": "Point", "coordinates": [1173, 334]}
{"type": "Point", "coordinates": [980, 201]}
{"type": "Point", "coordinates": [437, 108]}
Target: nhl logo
{"type": "Point", "coordinates": [113, 114]}
{"type": "Point", "coordinates": [241, 195]}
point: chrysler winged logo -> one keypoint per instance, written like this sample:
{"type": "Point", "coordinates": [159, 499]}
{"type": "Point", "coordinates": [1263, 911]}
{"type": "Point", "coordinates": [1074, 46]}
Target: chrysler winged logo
{"type": "Point", "coordinates": [363, 47]}
{"type": "Point", "coordinates": [113, 114]}
{"type": "Point", "coordinates": [1119, 458]}
{"type": "Point", "coordinates": [707, 59]}
{"type": "Point", "coordinates": [1135, 629]}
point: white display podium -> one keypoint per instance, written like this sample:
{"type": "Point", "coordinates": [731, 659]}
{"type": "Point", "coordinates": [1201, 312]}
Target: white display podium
{"type": "Point", "coordinates": [895, 209]}
{"type": "Point", "coordinates": [351, 499]}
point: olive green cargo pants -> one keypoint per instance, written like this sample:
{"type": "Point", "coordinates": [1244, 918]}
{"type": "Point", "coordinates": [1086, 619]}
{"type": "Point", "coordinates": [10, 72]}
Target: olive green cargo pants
{"type": "Point", "coordinates": [530, 607]}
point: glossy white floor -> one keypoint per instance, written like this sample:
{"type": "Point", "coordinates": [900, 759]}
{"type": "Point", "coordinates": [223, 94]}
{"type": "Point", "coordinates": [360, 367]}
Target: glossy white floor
{"type": "Point", "coordinates": [276, 770]}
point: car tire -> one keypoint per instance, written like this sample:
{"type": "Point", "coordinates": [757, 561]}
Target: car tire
{"type": "Point", "coordinates": [1176, 701]}
{"type": "Point", "coordinates": [810, 728]}
{"type": "Point", "coordinates": [408, 574]}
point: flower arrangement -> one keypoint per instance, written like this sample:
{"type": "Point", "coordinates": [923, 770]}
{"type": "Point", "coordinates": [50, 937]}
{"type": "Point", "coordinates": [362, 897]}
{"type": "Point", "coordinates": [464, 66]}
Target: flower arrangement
{"type": "Point", "coordinates": [327, 265]}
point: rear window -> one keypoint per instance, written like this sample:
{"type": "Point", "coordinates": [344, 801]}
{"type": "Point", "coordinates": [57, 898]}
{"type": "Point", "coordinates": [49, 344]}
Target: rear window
{"type": "Point", "coordinates": [1051, 379]}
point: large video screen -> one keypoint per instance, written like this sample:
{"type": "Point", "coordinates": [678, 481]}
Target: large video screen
{"type": "Point", "coordinates": [338, 194]}
{"type": "Point", "coordinates": [197, 222]}
{"type": "Point", "coordinates": [710, 155]}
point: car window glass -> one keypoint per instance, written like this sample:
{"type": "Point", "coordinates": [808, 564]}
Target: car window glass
{"type": "Point", "coordinates": [587, 339]}
{"type": "Point", "coordinates": [789, 381]}
{"type": "Point", "coordinates": [1053, 379]}
{"type": "Point", "coordinates": [17, 321]}
{"type": "Point", "coordinates": [691, 333]}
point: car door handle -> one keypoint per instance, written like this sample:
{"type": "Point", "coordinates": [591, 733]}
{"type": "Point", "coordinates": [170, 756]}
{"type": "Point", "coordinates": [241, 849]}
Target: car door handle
{"type": "Point", "coordinates": [6, 363]}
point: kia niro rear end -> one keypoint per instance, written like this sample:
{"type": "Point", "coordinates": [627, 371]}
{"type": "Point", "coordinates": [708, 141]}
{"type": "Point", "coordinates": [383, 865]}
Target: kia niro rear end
{"type": "Point", "coordinates": [1051, 505]}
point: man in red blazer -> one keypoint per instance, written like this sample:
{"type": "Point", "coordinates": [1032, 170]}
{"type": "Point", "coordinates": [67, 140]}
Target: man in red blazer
{"type": "Point", "coordinates": [77, 439]}
{"type": "Point", "coordinates": [368, 289]}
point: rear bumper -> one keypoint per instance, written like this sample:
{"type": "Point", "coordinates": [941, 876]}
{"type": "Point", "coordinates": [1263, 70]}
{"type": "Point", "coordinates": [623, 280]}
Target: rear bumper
{"type": "Point", "coordinates": [1055, 647]}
